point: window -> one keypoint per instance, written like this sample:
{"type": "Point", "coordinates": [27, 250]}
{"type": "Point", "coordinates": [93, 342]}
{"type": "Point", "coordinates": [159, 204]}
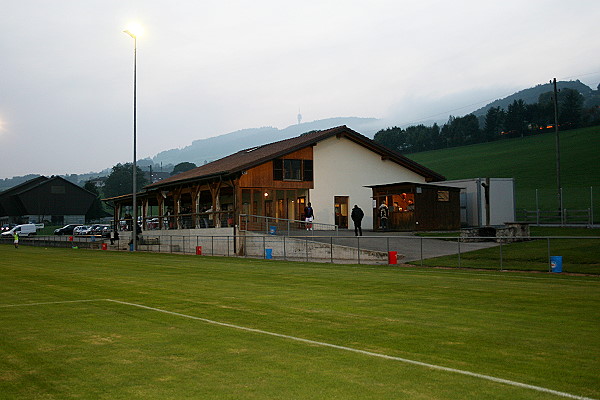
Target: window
{"type": "Point", "coordinates": [57, 189]}
{"type": "Point", "coordinates": [278, 170]}
{"type": "Point", "coordinates": [292, 170]}
{"type": "Point", "coordinates": [308, 170]}
{"type": "Point", "coordinates": [443, 195]}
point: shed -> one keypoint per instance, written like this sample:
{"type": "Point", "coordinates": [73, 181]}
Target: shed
{"type": "Point", "coordinates": [417, 206]}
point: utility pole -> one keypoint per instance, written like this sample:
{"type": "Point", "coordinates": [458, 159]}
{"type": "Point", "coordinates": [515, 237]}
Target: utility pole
{"type": "Point", "coordinates": [558, 187]}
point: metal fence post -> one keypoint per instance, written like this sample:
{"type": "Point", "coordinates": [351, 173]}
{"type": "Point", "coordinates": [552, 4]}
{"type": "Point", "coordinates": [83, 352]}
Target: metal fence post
{"type": "Point", "coordinates": [264, 247]}
{"type": "Point", "coordinates": [421, 251]}
{"type": "Point", "coordinates": [284, 250]}
{"type": "Point", "coordinates": [331, 248]}
{"type": "Point", "coordinates": [212, 245]}
{"type": "Point", "coordinates": [307, 249]}
{"type": "Point", "coordinates": [358, 248]}
{"type": "Point", "coordinates": [501, 266]}
{"type": "Point", "coordinates": [459, 260]}
{"type": "Point", "coordinates": [549, 263]}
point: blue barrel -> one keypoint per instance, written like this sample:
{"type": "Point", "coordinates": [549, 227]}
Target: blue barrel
{"type": "Point", "coordinates": [272, 230]}
{"type": "Point", "coordinates": [556, 263]}
{"type": "Point", "coordinates": [268, 254]}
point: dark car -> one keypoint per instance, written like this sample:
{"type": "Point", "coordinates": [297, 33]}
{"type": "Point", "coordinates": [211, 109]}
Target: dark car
{"type": "Point", "coordinates": [66, 230]}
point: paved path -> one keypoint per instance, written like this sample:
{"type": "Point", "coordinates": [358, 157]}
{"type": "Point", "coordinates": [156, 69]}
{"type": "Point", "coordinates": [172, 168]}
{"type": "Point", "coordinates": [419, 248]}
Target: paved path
{"type": "Point", "coordinates": [405, 243]}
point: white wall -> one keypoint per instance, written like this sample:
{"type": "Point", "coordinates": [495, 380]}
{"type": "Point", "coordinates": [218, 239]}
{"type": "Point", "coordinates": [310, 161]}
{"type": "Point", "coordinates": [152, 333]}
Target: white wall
{"type": "Point", "coordinates": [502, 200]}
{"type": "Point", "coordinates": [343, 168]}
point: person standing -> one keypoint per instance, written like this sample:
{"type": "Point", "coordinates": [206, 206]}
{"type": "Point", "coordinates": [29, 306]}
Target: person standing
{"type": "Point", "coordinates": [357, 216]}
{"type": "Point", "coordinates": [384, 213]}
{"type": "Point", "coordinates": [309, 216]}
{"type": "Point", "coordinates": [16, 239]}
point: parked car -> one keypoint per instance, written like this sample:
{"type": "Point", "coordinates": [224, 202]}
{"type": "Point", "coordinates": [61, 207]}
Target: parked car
{"type": "Point", "coordinates": [66, 230]}
{"type": "Point", "coordinates": [97, 229]}
{"type": "Point", "coordinates": [81, 230]}
{"type": "Point", "coordinates": [22, 230]}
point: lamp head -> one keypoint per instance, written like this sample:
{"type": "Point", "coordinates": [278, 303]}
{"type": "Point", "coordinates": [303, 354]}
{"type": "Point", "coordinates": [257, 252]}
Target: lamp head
{"type": "Point", "coordinates": [134, 30]}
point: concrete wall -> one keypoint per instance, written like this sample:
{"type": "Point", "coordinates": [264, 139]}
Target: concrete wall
{"type": "Point", "coordinates": [298, 249]}
{"type": "Point", "coordinates": [343, 168]}
{"type": "Point", "coordinates": [220, 242]}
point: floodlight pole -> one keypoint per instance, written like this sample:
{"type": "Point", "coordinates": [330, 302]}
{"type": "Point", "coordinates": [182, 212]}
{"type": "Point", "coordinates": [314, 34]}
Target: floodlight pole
{"type": "Point", "coordinates": [134, 214]}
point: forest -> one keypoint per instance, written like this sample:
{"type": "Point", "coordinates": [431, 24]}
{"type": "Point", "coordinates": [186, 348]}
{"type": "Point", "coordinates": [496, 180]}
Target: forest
{"type": "Point", "coordinates": [519, 119]}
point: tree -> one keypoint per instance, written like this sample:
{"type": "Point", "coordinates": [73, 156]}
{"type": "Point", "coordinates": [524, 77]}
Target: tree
{"type": "Point", "coordinates": [459, 131]}
{"type": "Point", "coordinates": [494, 123]}
{"type": "Point", "coordinates": [392, 138]}
{"type": "Point", "coordinates": [96, 210]}
{"type": "Point", "coordinates": [570, 108]}
{"type": "Point", "coordinates": [120, 180]}
{"type": "Point", "coordinates": [182, 167]}
{"type": "Point", "coordinates": [515, 122]}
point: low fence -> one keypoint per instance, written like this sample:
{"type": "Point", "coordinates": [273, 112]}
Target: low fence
{"type": "Point", "coordinates": [567, 217]}
{"type": "Point", "coordinates": [579, 254]}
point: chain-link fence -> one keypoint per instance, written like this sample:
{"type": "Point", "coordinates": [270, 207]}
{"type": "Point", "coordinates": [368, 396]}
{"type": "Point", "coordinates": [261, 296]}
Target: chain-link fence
{"type": "Point", "coordinates": [578, 255]}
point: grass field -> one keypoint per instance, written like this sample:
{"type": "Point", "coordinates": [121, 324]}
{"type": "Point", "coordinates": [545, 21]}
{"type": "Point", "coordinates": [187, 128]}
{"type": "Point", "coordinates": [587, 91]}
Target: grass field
{"type": "Point", "coordinates": [531, 161]}
{"type": "Point", "coordinates": [80, 324]}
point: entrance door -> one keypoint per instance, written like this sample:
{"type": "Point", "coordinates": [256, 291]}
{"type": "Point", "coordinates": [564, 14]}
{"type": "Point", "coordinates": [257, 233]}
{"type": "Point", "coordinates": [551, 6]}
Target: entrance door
{"type": "Point", "coordinates": [341, 211]}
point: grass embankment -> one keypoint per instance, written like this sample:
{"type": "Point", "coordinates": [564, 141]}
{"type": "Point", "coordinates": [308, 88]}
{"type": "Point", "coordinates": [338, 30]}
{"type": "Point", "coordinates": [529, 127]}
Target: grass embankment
{"type": "Point", "coordinates": [579, 255]}
{"type": "Point", "coordinates": [540, 330]}
{"type": "Point", "coordinates": [531, 161]}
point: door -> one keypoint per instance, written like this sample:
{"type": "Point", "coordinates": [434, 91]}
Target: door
{"type": "Point", "coordinates": [341, 211]}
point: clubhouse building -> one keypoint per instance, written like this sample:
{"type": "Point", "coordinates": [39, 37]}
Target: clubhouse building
{"type": "Point", "coordinates": [333, 169]}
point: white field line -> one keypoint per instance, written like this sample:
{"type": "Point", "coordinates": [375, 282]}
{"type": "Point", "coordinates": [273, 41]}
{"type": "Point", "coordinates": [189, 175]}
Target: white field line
{"type": "Point", "coordinates": [368, 353]}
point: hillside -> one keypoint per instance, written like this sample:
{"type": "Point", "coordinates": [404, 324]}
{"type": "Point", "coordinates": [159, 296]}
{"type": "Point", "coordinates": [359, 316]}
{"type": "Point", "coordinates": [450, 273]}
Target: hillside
{"type": "Point", "coordinates": [220, 146]}
{"type": "Point", "coordinates": [531, 161]}
{"type": "Point", "coordinates": [531, 95]}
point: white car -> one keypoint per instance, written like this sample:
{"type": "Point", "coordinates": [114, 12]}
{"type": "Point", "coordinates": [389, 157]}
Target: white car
{"type": "Point", "coordinates": [81, 230]}
{"type": "Point", "coordinates": [22, 230]}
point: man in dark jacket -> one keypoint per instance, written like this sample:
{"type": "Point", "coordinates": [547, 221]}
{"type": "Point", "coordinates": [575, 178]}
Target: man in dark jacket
{"type": "Point", "coordinates": [357, 216]}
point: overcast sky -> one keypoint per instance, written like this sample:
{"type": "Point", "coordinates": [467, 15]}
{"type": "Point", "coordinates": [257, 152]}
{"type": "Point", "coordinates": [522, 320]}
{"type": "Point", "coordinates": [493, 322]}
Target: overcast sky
{"type": "Point", "coordinates": [206, 68]}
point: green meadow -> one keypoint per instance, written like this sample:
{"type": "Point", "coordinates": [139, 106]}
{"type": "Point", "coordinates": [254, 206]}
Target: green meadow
{"type": "Point", "coordinates": [84, 324]}
{"type": "Point", "coordinates": [531, 161]}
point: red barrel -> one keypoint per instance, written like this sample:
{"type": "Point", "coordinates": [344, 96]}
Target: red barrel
{"type": "Point", "coordinates": [198, 250]}
{"type": "Point", "coordinates": [104, 246]}
{"type": "Point", "coordinates": [392, 257]}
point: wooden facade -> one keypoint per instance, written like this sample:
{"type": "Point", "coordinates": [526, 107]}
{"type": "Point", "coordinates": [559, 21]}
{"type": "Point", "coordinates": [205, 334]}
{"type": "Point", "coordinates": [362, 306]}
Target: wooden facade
{"type": "Point", "coordinates": [217, 201]}
{"type": "Point", "coordinates": [417, 207]}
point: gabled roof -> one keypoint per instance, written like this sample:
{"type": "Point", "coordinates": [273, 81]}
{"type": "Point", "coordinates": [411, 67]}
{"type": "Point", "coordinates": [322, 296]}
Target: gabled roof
{"type": "Point", "coordinates": [248, 158]}
{"type": "Point", "coordinates": [24, 186]}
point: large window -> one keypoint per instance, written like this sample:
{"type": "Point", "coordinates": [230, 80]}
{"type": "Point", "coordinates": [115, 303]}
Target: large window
{"type": "Point", "coordinates": [292, 170]}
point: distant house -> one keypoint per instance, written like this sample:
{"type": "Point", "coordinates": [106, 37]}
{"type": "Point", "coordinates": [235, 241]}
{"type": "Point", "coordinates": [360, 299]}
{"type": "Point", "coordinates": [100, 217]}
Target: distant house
{"type": "Point", "coordinates": [54, 199]}
{"type": "Point", "coordinates": [330, 169]}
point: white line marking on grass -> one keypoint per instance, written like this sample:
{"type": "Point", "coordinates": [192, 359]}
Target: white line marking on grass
{"type": "Point", "coordinates": [49, 302]}
{"type": "Point", "coordinates": [368, 353]}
